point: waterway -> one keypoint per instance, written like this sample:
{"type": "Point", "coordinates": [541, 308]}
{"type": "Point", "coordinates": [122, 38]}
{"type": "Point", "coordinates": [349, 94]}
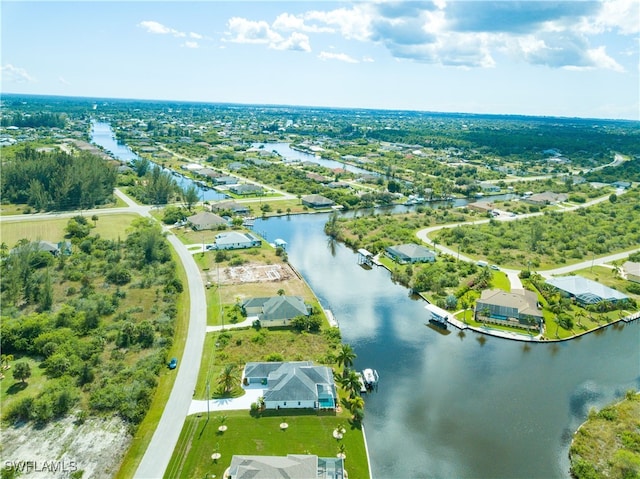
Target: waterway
{"type": "Point", "coordinates": [102, 135]}
{"type": "Point", "coordinates": [289, 154]}
{"type": "Point", "coordinates": [457, 405]}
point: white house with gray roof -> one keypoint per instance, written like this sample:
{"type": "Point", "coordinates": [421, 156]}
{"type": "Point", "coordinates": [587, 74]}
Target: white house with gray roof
{"type": "Point", "coordinates": [293, 385]}
{"type": "Point", "coordinates": [586, 291]}
{"type": "Point", "coordinates": [291, 466]}
{"type": "Point", "coordinates": [410, 253]}
{"type": "Point", "coordinates": [496, 304]}
{"type": "Point", "coordinates": [275, 310]}
{"type": "Point", "coordinates": [632, 271]}
{"type": "Point", "coordinates": [236, 240]}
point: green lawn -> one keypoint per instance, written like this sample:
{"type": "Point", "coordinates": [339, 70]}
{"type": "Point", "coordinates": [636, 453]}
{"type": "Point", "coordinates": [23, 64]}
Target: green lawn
{"type": "Point", "coordinates": [108, 226]}
{"type": "Point", "coordinates": [501, 281]}
{"type": "Point", "coordinates": [306, 434]}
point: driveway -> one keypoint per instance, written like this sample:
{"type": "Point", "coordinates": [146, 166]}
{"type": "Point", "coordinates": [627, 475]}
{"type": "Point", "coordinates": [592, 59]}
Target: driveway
{"type": "Point", "coordinates": [251, 395]}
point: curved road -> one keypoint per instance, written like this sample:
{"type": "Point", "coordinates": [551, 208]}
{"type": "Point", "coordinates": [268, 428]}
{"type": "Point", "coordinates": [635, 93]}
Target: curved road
{"type": "Point", "coordinates": [514, 279]}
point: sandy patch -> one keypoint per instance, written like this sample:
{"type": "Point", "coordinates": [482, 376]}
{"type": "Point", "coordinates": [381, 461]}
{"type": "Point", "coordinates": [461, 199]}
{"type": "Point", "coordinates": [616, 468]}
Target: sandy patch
{"type": "Point", "coordinates": [251, 273]}
{"type": "Point", "coordinates": [62, 448]}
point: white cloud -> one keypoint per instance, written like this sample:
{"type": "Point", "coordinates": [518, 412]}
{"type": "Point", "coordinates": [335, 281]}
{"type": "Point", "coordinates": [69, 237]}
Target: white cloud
{"type": "Point", "coordinates": [197, 36]}
{"type": "Point", "coordinates": [242, 30]}
{"type": "Point", "coordinates": [13, 74]}
{"type": "Point", "coordinates": [354, 23]}
{"type": "Point", "coordinates": [64, 81]}
{"type": "Point", "coordinates": [286, 22]}
{"type": "Point", "coordinates": [343, 57]}
{"type": "Point", "coordinates": [621, 15]}
{"type": "Point", "coordinates": [190, 44]}
{"type": "Point", "coordinates": [158, 28]}
{"type": "Point", "coordinates": [297, 42]}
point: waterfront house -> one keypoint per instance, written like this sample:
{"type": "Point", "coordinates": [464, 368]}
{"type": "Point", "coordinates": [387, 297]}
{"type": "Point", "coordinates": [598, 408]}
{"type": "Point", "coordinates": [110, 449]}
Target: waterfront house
{"type": "Point", "coordinates": [236, 240]}
{"type": "Point", "coordinates": [275, 310]}
{"type": "Point", "coordinates": [521, 309]}
{"type": "Point", "coordinates": [291, 466]}
{"type": "Point", "coordinates": [317, 201]}
{"type": "Point", "coordinates": [546, 198]}
{"type": "Point", "coordinates": [632, 271]}
{"type": "Point", "coordinates": [247, 189]}
{"type": "Point", "coordinates": [226, 180]}
{"type": "Point", "coordinates": [585, 291]}
{"type": "Point", "coordinates": [410, 253]}
{"type": "Point", "coordinates": [205, 221]}
{"type": "Point", "coordinates": [293, 385]}
{"type": "Point", "coordinates": [235, 208]}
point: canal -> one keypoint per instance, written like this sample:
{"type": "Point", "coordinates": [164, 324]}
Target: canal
{"type": "Point", "coordinates": [457, 404]}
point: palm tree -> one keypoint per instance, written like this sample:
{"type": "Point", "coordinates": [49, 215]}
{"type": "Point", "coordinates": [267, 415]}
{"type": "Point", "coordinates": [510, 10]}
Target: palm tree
{"type": "Point", "coordinates": [345, 357]}
{"type": "Point", "coordinates": [351, 382]}
{"type": "Point", "coordinates": [356, 406]}
{"type": "Point", "coordinates": [580, 315]}
{"type": "Point", "coordinates": [228, 378]}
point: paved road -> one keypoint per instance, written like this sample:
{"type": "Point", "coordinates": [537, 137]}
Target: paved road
{"type": "Point", "coordinates": [512, 274]}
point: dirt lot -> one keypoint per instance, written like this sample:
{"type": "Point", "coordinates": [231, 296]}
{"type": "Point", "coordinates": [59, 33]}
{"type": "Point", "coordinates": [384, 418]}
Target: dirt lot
{"type": "Point", "coordinates": [62, 448]}
{"type": "Point", "coordinates": [253, 273]}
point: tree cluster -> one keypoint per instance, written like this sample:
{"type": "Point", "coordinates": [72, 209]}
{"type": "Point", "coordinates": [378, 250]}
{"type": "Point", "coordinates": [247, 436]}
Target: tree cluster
{"type": "Point", "coordinates": [104, 338]}
{"type": "Point", "coordinates": [57, 181]}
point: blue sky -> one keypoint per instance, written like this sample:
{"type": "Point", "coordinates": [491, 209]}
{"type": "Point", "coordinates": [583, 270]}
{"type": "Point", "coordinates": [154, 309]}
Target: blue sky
{"type": "Point", "coordinates": [572, 58]}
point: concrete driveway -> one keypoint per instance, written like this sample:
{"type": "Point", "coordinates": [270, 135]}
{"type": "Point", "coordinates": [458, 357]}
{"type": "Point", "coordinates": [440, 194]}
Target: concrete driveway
{"type": "Point", "coordinates": [251, 395]}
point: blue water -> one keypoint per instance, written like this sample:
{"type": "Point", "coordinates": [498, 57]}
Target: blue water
{"type": "Point", "coordinates": [102, 135]}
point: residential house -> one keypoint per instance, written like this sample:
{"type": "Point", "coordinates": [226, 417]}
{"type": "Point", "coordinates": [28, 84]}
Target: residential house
{"type": "Point", "coordinates": [236, 165]}
{"type": "Point", "coordinates": [585, 291]}
{"type": "Point", "coordinates": [226, 180]}
{"type": "Point", "coordinates": [489, 187]}
{"type": "Point", "coordinates": [247, 189]}
{"type": "Point", "coordinates": [317, 201]}
{"type": "Point", "coordinates": [546, 198]}
{"type": "Point", "coordinates": [276, 310]}
{"type": "Point", "coordinates": [235, 208]}
{"type": "Point", "coordinates": [621, 184]}
{"type": "Point", "coordinates": [481, 206]}
{"type": "Point", "coordinates": [292, 466]}
{"type": "Point", "coordinates": [317, 177]}
{"type": "Point", "coordinates": [293, 385]}
{"type": "Point", "coordinates": [236, 240]}
{"type": "Point", "coordinates": [207, 173]}
{"type": "Point", "coordinates": [632, 271]}
{"type": "Point", "coordinates": [410, 253]}
{"type": "Point", "coordinates": [520, 308]}
{"type": "Point", "coordinates": [206, 221]}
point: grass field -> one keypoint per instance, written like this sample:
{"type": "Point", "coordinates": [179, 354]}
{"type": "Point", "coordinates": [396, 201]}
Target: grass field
{"type": "Point", "coordinates": [45, 229]}
{"type": "Point", "coordinates": [148, 426]}
{"type": "Point", "coordinates": [306, 434]}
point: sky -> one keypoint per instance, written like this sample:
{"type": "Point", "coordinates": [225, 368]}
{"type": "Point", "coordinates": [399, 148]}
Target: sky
{"type": "Point", "coordinates": [549, 58]}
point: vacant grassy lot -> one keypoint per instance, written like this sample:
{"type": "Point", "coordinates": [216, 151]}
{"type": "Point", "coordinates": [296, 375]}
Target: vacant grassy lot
{"type": "Point", "coordinates": [306, 434]}
{"type": "Point", "coordinates": [45, 229]}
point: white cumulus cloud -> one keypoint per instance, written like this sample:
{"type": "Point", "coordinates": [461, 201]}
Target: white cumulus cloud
{"type": "Point", "coordinates": [13, 74]}
{"type": "Point", "coordinates": [190, 44]}
{"type": "Point", "coordinates": [343, 57]}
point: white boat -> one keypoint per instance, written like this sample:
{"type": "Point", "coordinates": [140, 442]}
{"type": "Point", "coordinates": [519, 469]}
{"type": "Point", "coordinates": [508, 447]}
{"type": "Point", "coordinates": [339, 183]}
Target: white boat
{"type": "Point", "coordinates": [370, 377]}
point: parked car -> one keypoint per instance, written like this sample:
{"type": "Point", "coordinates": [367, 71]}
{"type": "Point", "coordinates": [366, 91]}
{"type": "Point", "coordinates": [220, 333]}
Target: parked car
{"type": "Point", "coordinates": [173, 363]}
{"type": "Point", "coordinates": [495, 266]}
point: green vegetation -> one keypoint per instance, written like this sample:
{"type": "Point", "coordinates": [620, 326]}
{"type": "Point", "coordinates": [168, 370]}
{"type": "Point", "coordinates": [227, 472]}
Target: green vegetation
{"type": "Point", "coordinates": [97, 322]}
{"type": "Point", "coordinates": [57, 180]}
{"type": "Point", "coordinates": [555, 238]}
{"type": "Point", "coordinates": [262, 435]}
{"type": "Point", "coordinates": [607, 445]}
